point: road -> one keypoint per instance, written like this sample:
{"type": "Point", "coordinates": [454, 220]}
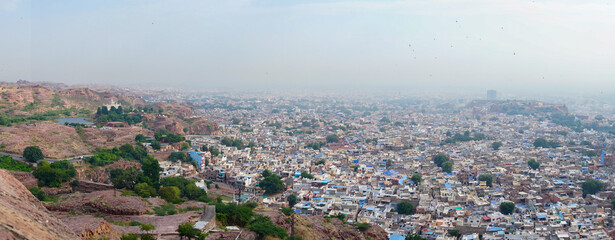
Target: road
{"type": "Point", "coordinates": [20, 158]}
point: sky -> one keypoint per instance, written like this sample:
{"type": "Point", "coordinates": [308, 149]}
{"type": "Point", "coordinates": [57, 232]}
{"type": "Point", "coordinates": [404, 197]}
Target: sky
{"type": "Point", "coordinates": [508, 45]}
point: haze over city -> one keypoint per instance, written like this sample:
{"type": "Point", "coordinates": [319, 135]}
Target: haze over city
{"type": "Point", "coordinates": [513, 46]}
{"type": "Point", "coordinates": [307, 120]}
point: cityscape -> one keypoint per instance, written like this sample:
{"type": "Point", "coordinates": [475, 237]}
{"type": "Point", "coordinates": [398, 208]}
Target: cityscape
{"type": "Point", "coordinates": [307, 120]}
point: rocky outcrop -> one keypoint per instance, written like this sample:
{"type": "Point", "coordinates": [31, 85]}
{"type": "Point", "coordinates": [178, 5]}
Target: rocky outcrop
{"type": "Point", "coordinates": [59, 141]}
{"type": "Point", "coordinates": [184, 126]}
{"type": "Point", "coordinates": [90, 227]}
{"type": "Point", "coordinates": [109, 202]}
{"type": "Point", "coordinates": [26, 178]}
{"type": "Point", "coordinates": [317, 227]}
{"type": "Point", "coordinates": [23, 216]}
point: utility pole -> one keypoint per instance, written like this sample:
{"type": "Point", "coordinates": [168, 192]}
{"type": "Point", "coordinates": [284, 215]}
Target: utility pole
{"type": "Point", "coordinates": [292, 225]}
{"type": "Point", "coordinates": [239, 197]}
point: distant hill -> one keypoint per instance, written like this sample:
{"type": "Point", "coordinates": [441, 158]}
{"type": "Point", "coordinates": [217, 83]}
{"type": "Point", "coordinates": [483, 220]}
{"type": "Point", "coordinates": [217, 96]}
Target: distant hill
{"type": "Point", "coordinates": [28, 112]}
{"type": "Point", "coordinates": [19, 102]}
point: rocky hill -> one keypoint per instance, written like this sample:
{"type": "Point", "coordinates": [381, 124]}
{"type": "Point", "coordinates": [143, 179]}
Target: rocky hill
{"type": "Point", "coordinates": [26, 100]}
{"type": "Point", "coordinates": [59, 141]}
{"type": "Point", "coordinates": [28, 112]}
{"type": "Point", "coordinates": [24, 217]}
{"type": "Point", "coordinates": [317, 227]}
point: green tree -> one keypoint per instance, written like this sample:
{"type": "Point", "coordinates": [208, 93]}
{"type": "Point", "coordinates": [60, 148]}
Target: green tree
{"type": "Point", "coordinates": [156, 145]}
{"type": "Point", "coordinates": [130, 236]}
{"type": "Point", "coordinates": [496, 145]}
{"type": "Point", "coordinates": [540, 142]}
{"type": "Point", "coordinates": [151, 170]}
{"type": "Point", "coordinates": [271, 184]}
{"type": "Point", "coordinates": [147, 237]}
{"type": "Point", "coordinates": [33, 153]}
{"type": "Point", "coordinates": [124, 178]}
{"type": "Point", "coordinates": [405, 208]}
{"type": "Point", "coordinates": [144, 190]}
{"type": "Point", "coordinates": [170, 194]}
{"type": "Point", "coordinates": [263, 227]}
{"type": "Point", "coordinates": [507, 207]}
{"type": "Point", "coordinates": [544, 143]}
{"type": "Point", "coordinates": [363, 226]}
{"type": "Point", "coordinates": [533, 164]}
{"type": "Point", "coordinates": [305, 174]}
{"type": "Point", "coordinates": [591, 186]}
{"type": "Point", "coordinates": [454, 233]}
{"type": "Point", "coordinates": [292, 200]}
{"type": "Point", "coordinates": [286, 211]}
{"type": "Point", "coordinates": [440, 158]}
{"type": "Point", "coordinates": [266, 173]}
{"type": "Point", "coordinates": [487, 178]}
{"type": "Point", "coordinates": [333, 138]}
{"type": "Point", "coordinates": [185, 146]}
{"type": "Point", "coordinates": [53, 175]}
{"type": "Point", "coordinates": [414, 237]}
{"type": "Point", "coordinates": [140, 138]}
{"type": "Point", "coordinates": [447, 166]}
{"type": "Point", "coordinates": [9, 163]}
{"type": "Point", "coordinates": [147, 227]}
{"type": "Point", "coordinates": [38, 193]}
{"type": "Point", "coordinates": [235, 121]}
{"type": "Point", "coordinates": [417, 178]}
{"type": "Point", "coordinates": [178, 156]}
{"type": "Point", "coordinates": [187, 230]}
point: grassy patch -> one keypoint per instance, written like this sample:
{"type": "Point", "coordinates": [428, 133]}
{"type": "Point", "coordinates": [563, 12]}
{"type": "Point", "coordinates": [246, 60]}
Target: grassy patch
{"type": "Point", "coordinates": [165, 210]}
{"type": "Point", "coordinates": [126, 223]}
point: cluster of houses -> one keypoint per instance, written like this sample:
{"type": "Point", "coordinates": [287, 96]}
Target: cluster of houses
{"type": "Point", "coordinates": [369, 170]}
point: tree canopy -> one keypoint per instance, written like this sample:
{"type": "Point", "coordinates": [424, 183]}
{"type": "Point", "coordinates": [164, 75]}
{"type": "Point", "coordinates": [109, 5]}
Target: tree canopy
{"type": "Point", "coordinates": [33, 153]}
{"type": "Point", "coordinates": [305, 174]}
{"type": "Point", "coordinates": [271, 184]}
{"type": "Point", "coordinates": [487, 178]}
{"type": "Point", "coordinates": [263, 227]}
{"type": "Point", "coordinates": [447, 166]}
{"type": "Point", "coordinates": [417, 178]}
{"type": "Point", "coordinates": [533, 164]}
{"type": "Point", "coordinates": [54, 174]}
{"type": "Point", "coordinates": [507, 207]}
{"type": "Point", "coordinates": [333, 138]}
{"type": "Point", "coordinates": [170, 194]}
{"type": "Point", "coordinates": [292, 200]}
{"type": "Point", "coordinates": [187, 230]}
{"type": "Point", "coordinates": [188, 189]}
{"type": "Point", "coordinates": [591, 186]}
{"type": "Point", "coordinates": [439, 159]}
{"type": "Point", "coordinates": [544, 143]}
{"type": "Point", "coordinates": [9, 163]}
{"type": "Point", "coordinates": [404, 208]}
{"type": "Point", "coordinates": [363, 226]}
{"type": "Point", "coordinates": [179, 156]}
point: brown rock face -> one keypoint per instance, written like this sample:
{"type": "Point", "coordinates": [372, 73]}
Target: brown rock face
{"type": "Point", "coordinates": [89, 227]}
{"type": "Point", "coordinates": [59, 141]}
{"type": "Point", "coordinates": [23, 216]}
{"type": "Point", "coordinates": [176, 125]}
{"type": "Point", "coordinates": [317, 227]}
{"type": "Point", "coordinates": [109, 202]}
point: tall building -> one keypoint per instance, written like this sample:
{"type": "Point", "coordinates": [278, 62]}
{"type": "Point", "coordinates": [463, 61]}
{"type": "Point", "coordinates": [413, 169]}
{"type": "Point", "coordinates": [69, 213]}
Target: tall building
{"type": "Point", "coordinates": [492, 94]}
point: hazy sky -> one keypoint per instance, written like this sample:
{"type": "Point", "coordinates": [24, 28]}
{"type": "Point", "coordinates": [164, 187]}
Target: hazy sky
{"type": "Point", "coordinates": [508, 45]}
